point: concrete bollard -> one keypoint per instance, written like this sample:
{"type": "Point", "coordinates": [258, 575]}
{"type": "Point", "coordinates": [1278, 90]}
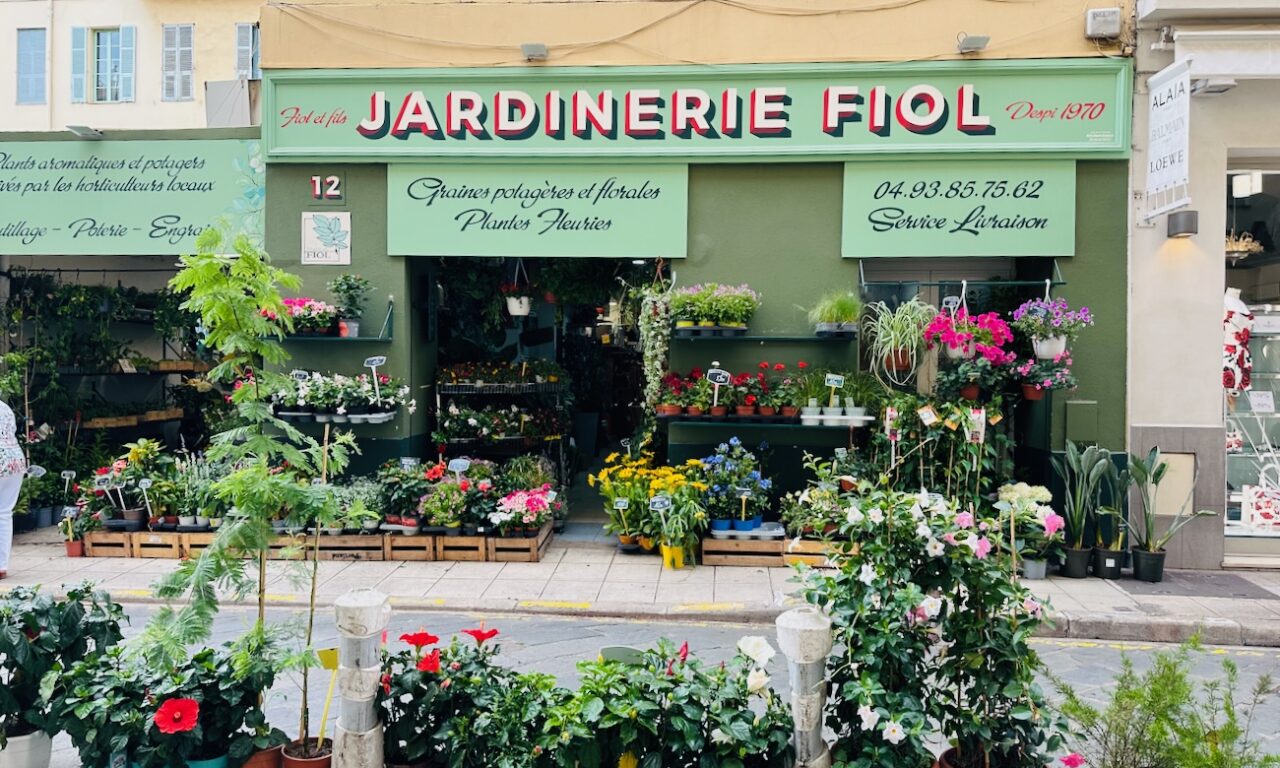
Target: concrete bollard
{"type": "Point", "coordinates": [804, 636]}
{"type": "Point", "coordinates": [362, 615]}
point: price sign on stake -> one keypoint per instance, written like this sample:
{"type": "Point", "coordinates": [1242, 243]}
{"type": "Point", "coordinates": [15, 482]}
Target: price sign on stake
{"type": "Point", "coordinates": [718, 378]}
{"type": "Point", "coordinates": [458, 466]}
{"type": "Point", "coordinates": [372, 364]}
{"type": "Point", "coordinates": [67, 476]}
{"type": "Point", "coordinates": [409, 462]}
{"type": "Point", "coordinates": [143, 485]}
{"type": "Point", "coordinates": [35, 470]}
{"type": "Point", "coordinates": [835, 381]}
{"type": "Point", "coordinates": [622, 504]}
{"type": "Point", "coordinates": [299, 375]}
{"type": "Point", "coordinates": [660, 503]}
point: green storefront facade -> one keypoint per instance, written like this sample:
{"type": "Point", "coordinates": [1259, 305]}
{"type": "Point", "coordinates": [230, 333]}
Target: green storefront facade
{"type": "Point", "coordinates": [791, 178]}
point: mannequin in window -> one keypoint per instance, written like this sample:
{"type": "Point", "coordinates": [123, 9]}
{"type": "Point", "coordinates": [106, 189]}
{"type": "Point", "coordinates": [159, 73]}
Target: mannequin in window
{"type": "Point", "coordinates": [1237, 323]}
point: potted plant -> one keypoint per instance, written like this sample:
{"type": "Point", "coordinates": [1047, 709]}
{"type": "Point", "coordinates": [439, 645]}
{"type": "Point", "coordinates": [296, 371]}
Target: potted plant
{"type": "Point", "coordinates": [786, 389]}
{"type": "Point", "coordinates": [837, 312]}
{"type": "Point", "coordinates": [39, 634]}
{"type": "Point", "coordinates": [895, 337]}
{"type": "Point", "coordinates": [963, 335]}
{"type": "Point", "coordinates": [970, 377]}
{"type": "Point", "coordinates": [679, 526]}
{"type": "Point", "coordinates": [523, 512]}
{"type": "Point", "coordinates": [1035, 528]}
{"type": "Point", "coordinates": [349, 289]}
{"type": "Point", "coordinates": [519, 303]}
{"type": "Point", "coordinates": [732, 306]}
{"type": "Point", "coordinates": [736, 489]}
{"type": "Point", "coordinates": [443, 506]}
{"type": "Point", "coordinates": [697, 396]}
{"type": "Point", "coordinates": [1148, 544]}
{"type": "Point", "coordinates": [75, 526]}
{"type": "Point", "coordinates": [1050, 324]}
{"type": "Point", "coordinates": [1083, 472]}
{"type": "Point", "coordinates": [684, 306]}
{"type": "Point", "coordinates": [669, 401]}
{"type": "Point", "coordinates": [1039, 376]}
{"type": "Point", "coordinates": [747, 391]}
{"type": "Point", "coordinates": [1110, 524]}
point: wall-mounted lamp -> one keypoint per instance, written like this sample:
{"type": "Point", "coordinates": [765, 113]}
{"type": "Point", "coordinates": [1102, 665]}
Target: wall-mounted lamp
{"type": "Point", "coordinates": [1211, 86]}
{"type": "Point", "coordinates": [1184, 223]}
{"type": "Point", "coordinates": [85, 132]}
{"type": "Point", "coordinates": [534, 51]}
{"type": "Point", "coordinates": [967, 43]}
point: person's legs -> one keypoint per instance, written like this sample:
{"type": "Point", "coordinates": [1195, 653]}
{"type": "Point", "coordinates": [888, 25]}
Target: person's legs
{"type": "Point", "coordinates": [9, 488]}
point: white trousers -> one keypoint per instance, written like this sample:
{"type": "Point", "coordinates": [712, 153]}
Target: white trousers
{"type": "Point", "coordinates": [10, 485]}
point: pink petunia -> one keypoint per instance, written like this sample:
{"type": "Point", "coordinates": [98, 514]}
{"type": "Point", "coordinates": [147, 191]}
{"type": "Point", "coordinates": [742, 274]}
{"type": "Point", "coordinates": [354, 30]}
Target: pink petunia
{"type": "Point", "coordinates": [1073, 760]}
{"type": "Point", "coordinates": [982, 549]}
{"type": "Point", "coordinates": [964, 520]}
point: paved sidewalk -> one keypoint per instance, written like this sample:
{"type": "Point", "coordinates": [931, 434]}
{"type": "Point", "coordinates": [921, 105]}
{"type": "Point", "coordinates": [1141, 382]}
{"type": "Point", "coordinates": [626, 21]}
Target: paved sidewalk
{"type": "Point", "coordinates": [581, 576]}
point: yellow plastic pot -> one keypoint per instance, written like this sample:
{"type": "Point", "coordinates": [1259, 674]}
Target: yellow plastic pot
{"type": "Point", "coordinates": [627, 760]}
{"type": "Point", "coordinates": [672, 558]}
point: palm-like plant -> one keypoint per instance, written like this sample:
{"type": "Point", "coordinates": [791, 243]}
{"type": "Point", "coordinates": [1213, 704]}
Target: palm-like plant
{"type": "Point", "coordinates": [1082, 472]}
{"type": "Point", "coordinates": [1147, 475]}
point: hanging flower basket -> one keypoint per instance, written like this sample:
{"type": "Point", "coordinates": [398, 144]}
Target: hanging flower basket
{"type": "Point", "coordinates": [518, 306]}
{"type": "Point", "coordinates": [1050, 348]}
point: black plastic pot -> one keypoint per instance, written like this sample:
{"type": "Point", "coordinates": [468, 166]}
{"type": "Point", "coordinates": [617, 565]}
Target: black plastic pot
{"type": "Point", "coordinates": [1076, 564]}
{"type": "Point", "coordinates": [1148, 566]}
{"type": "Point", "coordinates": [1107, 563]}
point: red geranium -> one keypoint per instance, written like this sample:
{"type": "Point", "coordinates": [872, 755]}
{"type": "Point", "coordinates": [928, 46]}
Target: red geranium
{"type": "Point", "coordinates": [177, 716]}
{"type": "Point", "coordinates": [430, 662]}
{"type": "Point", "coordinates": [802, 365]}
{"type": "Point", "coordinates": [420, 639]}
{"type": "Point", "coordinates": [481, 635]}
{"type": "Point", "coordinates": [764, 365]}
{"type": "Point", "coordinates": [779, 367]}
{"type": "Point", "coordinates": [751, 399]}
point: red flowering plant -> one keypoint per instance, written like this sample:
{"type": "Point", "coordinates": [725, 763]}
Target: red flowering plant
{"type": "Point", "coordinates": [749, 388]}
{"type": "Point", "coordinates": [985, 334]}
{"type": "Point", "coordinates": [782, 389]}
{"type": "Point", "coordinates": [514, 289]}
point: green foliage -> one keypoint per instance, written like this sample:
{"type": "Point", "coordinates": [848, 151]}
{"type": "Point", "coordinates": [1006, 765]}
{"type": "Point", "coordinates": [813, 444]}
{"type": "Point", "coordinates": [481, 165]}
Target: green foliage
{"type": "Point", "coordinates": [889, 331]}
{"type": "Point", "coordinates": [1147, 474]}
{"type": "Point", "coordinates": [1082, 471]}
{"type": "Point", "coordinates": [40, 633]}
{"type": "Point", "coordinates": [349, 290]}
{"type": "Point", "coordinates": [838, 306]}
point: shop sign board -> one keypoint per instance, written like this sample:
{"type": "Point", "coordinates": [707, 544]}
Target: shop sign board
{"type": "Point", "coordinates": [1076, 107]}
{"type": "Point", "coordinates": [616, 211]}
{"type": "Point", "coordinates": [1169, 138]}
{"type": "Point", "coordinates": [959, 208]}
{"type": "Point", "coordinates": [138, 198]}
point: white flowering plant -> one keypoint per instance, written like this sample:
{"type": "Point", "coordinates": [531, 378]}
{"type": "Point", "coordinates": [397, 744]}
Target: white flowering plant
{"type": "Point", "coordinates": [932, 637]}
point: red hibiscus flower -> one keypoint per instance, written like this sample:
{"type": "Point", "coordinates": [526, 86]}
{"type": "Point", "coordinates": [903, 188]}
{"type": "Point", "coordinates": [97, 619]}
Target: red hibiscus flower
{"type": "Point", "coordinates": [177, 716]}
{"type": "Point", "coordinates": [420, 639]}
{"type": "Point", "coordinates": [430, 662]}
{"type": "Point", "coordinates": [684, 652]}
{"type": "Point", "coordinates": [386, 683]}
{"type": "Point", "coordinates": [481, 635]}
{"type": "Point", "coordinates": [751, 399]}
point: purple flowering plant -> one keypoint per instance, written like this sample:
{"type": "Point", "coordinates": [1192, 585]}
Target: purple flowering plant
{"type": "Point", "coordinates": [1043, 319]}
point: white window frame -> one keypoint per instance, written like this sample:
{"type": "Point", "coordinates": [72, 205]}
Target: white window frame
{"type": "Point", "coordinates": [248, 51]}
{"type": "Point", "coordinates": [105, 86]}
{"type": "Point", "coordinates": [26, 79]}
{"type": "Point", "coordinates": [177, 78]}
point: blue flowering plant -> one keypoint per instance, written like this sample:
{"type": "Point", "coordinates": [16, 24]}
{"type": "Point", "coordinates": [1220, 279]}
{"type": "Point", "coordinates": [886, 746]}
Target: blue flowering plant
{"type": "Point", "coordinates": [736, 488]}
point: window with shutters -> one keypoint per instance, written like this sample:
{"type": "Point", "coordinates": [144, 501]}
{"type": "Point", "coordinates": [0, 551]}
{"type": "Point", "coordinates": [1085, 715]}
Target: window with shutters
{"type": "Point", "coordinates": [248, 66]}
{"type": "Point", "coordinates": [106, 65]}
{"type": "Point", "coordinates": [31, 69]}
{"type": "Point", "coordinates": [178, 64]}
{"type": "Point", "coordinates": [104, 60]}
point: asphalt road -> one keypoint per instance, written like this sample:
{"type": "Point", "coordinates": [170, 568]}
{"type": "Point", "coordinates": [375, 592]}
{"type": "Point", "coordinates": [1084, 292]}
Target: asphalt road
{"type": "Point", "coordinates": [555, 645]}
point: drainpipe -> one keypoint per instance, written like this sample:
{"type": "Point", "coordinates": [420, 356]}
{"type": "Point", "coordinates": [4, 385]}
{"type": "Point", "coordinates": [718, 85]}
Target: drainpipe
{"type": "Point", "coordinates": [362, 616]}
{"type": "Point", "coordinates": [804, 635]}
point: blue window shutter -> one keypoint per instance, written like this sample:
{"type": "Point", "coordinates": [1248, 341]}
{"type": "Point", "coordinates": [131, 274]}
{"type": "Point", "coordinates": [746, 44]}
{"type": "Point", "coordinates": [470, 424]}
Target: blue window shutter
{"type": "Point", "coordinates": [126, 63]}
{"type": "Point", "coordinates": [79, 43]}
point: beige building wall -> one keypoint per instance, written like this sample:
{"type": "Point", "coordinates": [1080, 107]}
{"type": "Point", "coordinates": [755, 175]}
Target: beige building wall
{"type": "Point", "coordinates": [306, 34]}
{"type": "Point", "coordinates": [214, 59]}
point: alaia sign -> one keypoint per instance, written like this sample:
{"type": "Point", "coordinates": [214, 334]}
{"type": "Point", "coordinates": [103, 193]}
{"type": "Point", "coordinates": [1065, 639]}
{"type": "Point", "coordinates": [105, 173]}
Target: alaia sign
{"type": "Point", "coordinates": [1169, 138]}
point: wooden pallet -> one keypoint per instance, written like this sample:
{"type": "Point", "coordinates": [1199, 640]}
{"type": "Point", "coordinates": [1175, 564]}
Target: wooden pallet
{"type": "Point", "coordinates": [521, 550]}
{"type": "Point", "coordinates": [195, 543]}
{"type": "Point", "coordinates": [469, 548]}
{"type": "Point", "coordinates": [754, 552]}
{"type": "Point", "coordinates": [283, 543]}
{"type": "Point", "coordinates": [419, 548]}
{"type": "Point", "coordinates": [104, 544]}
{"type": "Point", "coordinates": [807, 551]}
{"type": "Point", "coordinates": [164, 546]}
{"type": "Point", "coordinates": [353, 547]}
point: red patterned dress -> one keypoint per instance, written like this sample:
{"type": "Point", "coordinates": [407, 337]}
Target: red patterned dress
{"type": "Point", "coordinates": [1237, 364]}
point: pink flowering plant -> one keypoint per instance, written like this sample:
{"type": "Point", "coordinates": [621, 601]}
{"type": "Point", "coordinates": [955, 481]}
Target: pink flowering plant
{"type": "Point", "coordinates": [1046, 375]}
{"type": "Point", "coordinates": [311, 314]}
{"type": "Point", "coordinates": [1040, 319]}
{"type": "Point", "coordinates": [1038, 529]}
{"type": "Point", "coordinates": [932, 634]}
{"type": "Point", "coordinates": [524, 509]}
{"type": "Point", "coordinates": [986, 333]}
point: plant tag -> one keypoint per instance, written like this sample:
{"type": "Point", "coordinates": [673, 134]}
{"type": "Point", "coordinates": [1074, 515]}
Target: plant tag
{"type": "Point", "coordinates": [126, 365]}
{"type": "Point", "coordinates": [1109, 562]}
{"type": "Point", "coordinates": [144, 483]}
{"type": "Point", "coordinates": [101, 482]}
{"type": "Point", "coordinates": [458, 466]}
{"type": "Point", "coordinates": [374, 362]}
{"type": "Point", "coordinates": [891, 424]}
{"type": "Point", "coordinates": [825, 486]}
{"type": "Point", "coordinates": [410, 462]}
{"type": "Point", "coordinates": [68, 474]}
{"type": "Point", "coordinates": [35, 470]}
{"type": "Point", "coordinates": [719, 376]}
{"type": "Point", "coordinates": [995, 418]}
{"type": "Point", "coordinates": [951, 423]}
{"type": "Point", "coordinates": [660, 503]}
{"type": "Point", "coordinates": [835, 380]}
{"type": "Point", "coordinates": [297, 374]}
{"type": "Point", "coordinates": [551, 496]}
{"type": "Point", "coordinates": [626, 443]}
{"type": "Point", "coordinates": [315, 481]}
{"type": "Point", "coordinates": [842, 453]}
{"type": "Point", "coordinates": [622, 504]}
{"type": "Point", "coordinates": [743, 493]}
{"type": "Point", "coordinates": [951, 303]}
{"type": "Point", "coordinates": [928, 416]}
{"type": "Point", "coordinates": [977, 428]}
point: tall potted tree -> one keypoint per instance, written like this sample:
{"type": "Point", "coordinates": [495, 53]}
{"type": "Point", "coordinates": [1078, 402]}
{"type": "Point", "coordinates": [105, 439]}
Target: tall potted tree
{"type": "Point", "coordinates": [1082, 472]}
{"type": "Point", "coordinates": [1148, 543]}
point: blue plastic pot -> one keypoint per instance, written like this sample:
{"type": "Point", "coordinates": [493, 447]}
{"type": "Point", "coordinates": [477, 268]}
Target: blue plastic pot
{"type": "Point", "coordinates": [721, 525]}
{"type": "Point", "coordinates": [757, 521]}
{"type": "Point", "coordinates": [744, 525]}
{"type": "Point", "coordinates": [216, 762]}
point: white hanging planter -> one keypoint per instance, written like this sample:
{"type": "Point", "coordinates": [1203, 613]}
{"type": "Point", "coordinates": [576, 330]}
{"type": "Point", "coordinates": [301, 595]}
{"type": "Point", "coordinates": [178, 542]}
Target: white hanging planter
{"type": "Point", "coordinates": [518, 306]}
{"type": "Point", "coordinates": [963, 352]}
{"type": "Point", "coordinates": [1050, 348]}
{"type": "Point", "coordinates": [30, 751]}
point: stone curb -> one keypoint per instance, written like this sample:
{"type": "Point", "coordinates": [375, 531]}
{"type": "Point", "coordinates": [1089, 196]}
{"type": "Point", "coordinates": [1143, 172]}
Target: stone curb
{"type": "Point", "coordinates": [1093, 626]}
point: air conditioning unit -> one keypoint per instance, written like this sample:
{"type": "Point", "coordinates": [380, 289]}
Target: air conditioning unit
{"type": "Point", "coordinates": [1102, 23]}
{"type": "Point", "coordinates": [232, 103]}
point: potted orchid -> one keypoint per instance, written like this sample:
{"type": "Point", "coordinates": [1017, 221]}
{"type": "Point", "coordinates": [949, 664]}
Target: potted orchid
{"type": "Point", "coordinates": [1050, 323]}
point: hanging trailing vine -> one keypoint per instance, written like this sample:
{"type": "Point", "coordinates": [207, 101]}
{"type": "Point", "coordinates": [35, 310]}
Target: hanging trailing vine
{"type": "Point", "coordinates": [655, 338]}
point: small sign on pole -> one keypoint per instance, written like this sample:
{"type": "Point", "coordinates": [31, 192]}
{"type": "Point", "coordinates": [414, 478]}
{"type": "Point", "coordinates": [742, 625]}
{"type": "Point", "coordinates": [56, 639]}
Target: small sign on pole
{"type": "Point", "coordinates": [458, 466]}
{"type": "Point", "coordinates": [372, 364]}
{"type": "Point", "coordinates": [718, 378]}
{"type": "Point", "coordinates": [834, 381]}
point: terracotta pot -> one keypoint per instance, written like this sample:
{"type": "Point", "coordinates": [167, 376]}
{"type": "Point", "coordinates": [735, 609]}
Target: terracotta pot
{"type": "Point", "coordinates": [647, 544]}
{"type": "Point", "coordinates": [790, 411]}
{"type": "Point", "coordinates": [898, 360]}
{"type": "Point", "coordinates": [970, 391]}
{"type": "Point", "coordinates": [667, 409]}
{"type": "Point", "coordinates": [323, 761]}
{"type": "Point", "coordinates": [745, 410]}
{"type": "Point", "coordinates": [549, 297]}
{"type": "Point", "coordinates": [1029, 392]}
{"type": "Point", "coordinates": [264, 758]}
{"type": "Point", "coordinates": [720, 410]}
{"type": "Point", "coordinates": [693, 410]}
{"type": "Point", "coordinates": [75, 548]}
{"type": "Point", "coordinates": [626, 539]}
{"type": "Point", "coordinates": [768, 410]}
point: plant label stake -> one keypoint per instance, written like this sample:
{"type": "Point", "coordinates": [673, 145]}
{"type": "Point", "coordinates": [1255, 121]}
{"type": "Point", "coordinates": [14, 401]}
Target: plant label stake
{"type": "Point", "coordinates": [458, 466]}
{"type": "Point", "coordinates": [372, 363]}
{"type": "Point", "coordinates": [626, 445]}
{"type": "Point", "coordinates": [143, 485]}
{"type": "Point", "coordinates": [718, 377]}
{"type": "Point", "coordinates": [744, 495]}
{"type": "Point", "coordinates": [891, 431]}
{"type": "Point", "coordinates": [622, 505]}
{"type": "Point", "coordinates": [297, 374]}
{"type": "Point", "coordinates": [835, 381]}
{"type": "Point", "coordinates": [660, 503]}
{"type": "Point", "coordinates": [67, 476]}
{"type": "Point", "coordinates": [410, 462]}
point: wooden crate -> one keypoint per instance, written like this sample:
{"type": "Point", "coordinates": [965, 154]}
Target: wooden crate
{"type": "Point", "coordinates": [347, 547]}
{"type": "Point", "coordinates": [419, 548]}
{"type": "Point", "coordinates": [806, 551]}
{"type": "Point", "coordinates": [195, 543]}
{"type": "Point", "coordinates": [104, 544]}
{"type": "Point", "coordinates": [519, 550]}
{"type": "Point", "coordinates": [283, 543]}
{"type": "Point", "coordinates": [766, 553]}
{"type": "Point", "coordinates": [166, 546]}
{"type": "Point", "coordinates": [470, 548]}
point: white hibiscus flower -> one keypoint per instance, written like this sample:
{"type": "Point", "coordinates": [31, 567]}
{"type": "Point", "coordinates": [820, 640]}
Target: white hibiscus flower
{"type": "Point", "coordinates": [853, 514]}
{"type": "Point", "coordinates": [717, 737]}
{"type": "Point", "coordinates": [757, 680]}
{"type": "Point", "coordinates": [935, 548]}
{"type": "Point", "coordinates": [924, 531]}
{"type": "Point", "coordinates": [757, 649]}
{"type": "Point", "coordinates": [931, 606]}
{"type": "Point", "coordinates": [876, 515]}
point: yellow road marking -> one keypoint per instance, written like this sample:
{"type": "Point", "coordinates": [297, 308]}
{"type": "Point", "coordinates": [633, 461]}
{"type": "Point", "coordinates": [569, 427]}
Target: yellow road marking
{"type": "Point", "coordinates": [688, 607]}
{"type": "Point", "coordinates": [553, 604]}
{"type": "Point", "coordinates": [1126, 646]}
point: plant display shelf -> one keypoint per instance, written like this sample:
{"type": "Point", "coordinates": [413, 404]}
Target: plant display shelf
{"type": "Point", "coordinates": [522, 550]}
{"type": "Point", "coordinates": [760, 422]}
{"type": "Point", "coordinates": [420, 548]}
{"type": "Point", "coordinates": [104, 544]}
{"type": "Point", "coordinates": [346, 547]}
{"type": "Point", "coordinates": [709, 331]}
{"type": "Point", "coordinates": [463, 548]}
{"type": "Point", "coordinates": [195, 543]}
{"type": "Point", "coordinates": [384, 333]}
{"type": "Point", "coordinates": [748, 552]}
{"type": "Point", "coordinates": [828, 338]}
{"type": "Point", "coordinates": [530, 388]}
{"type": "Point", "coordinates": [161, 546]}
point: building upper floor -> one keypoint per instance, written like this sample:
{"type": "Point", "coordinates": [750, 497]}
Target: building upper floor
{"type": "Point", "coordinates": [128, 64]}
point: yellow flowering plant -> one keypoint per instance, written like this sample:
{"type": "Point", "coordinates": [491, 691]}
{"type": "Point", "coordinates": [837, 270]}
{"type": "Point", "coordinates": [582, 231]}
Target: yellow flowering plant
{"type": "Point", "coordinates": [627, 484]}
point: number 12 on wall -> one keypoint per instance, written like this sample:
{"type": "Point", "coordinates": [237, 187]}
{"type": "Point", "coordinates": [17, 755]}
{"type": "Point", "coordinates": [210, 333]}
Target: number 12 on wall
{"type": "Point", "coordinates": [326, 187]}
